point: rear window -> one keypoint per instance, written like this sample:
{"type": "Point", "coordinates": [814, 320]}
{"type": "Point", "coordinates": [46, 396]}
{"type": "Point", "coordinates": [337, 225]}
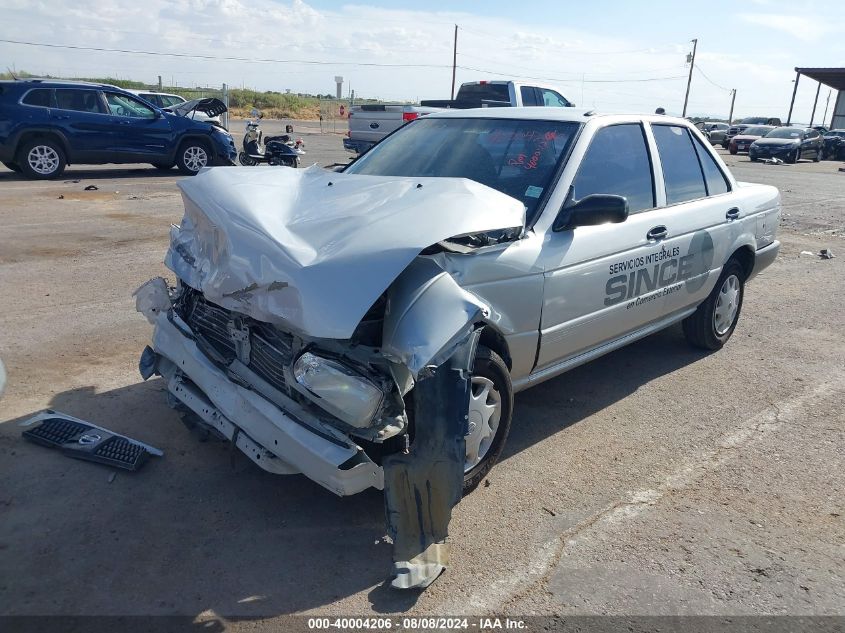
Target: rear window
{"type": "Point", "coordinates": [681, 169]}
{"type": "Point", "coordinates": [38, 97]}
{"type": "Point", "coordinates": [78, 100]}
{"type": "Point", "coordinates": [484, 92]}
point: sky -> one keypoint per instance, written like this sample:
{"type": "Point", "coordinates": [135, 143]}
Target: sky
{"type": "Point", "coordinates": [612, 56]}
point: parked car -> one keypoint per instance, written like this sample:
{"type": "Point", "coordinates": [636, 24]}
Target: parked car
{"type": "Point", "coordinates": [747, 122]}
{"type": "Point", "coordinates": [741, 142]}
{"type": "Point", "coordinates": [167, 102]}
{"type": "Point", "coordinates": [46, 125]}
{"type": "Point", "coordinates": [734, 130]}
{"type": "Point", "coordinates": [834, 145]}
{"type": "Point", "coordinates": [715, 131]}
{"type": "Point", "coordinates": [309, 303]}
{"type": "Point", "coordinates": [790, 144]}
{"type": "Point", "coordinates": [368, 124]}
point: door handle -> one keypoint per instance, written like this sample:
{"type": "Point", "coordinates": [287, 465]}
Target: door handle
{"type": "Point", "coordinates": [657, 233]}
{"type": "Point", "coordinates": [732, 214]}
{"type": "Point", "coordinates": [124, 122]}
{"type": "Point", "coordinates": [61, 116]}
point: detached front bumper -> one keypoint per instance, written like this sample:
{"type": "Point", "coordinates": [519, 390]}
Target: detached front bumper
{"type": "Point", "coordinates": [274, 439]}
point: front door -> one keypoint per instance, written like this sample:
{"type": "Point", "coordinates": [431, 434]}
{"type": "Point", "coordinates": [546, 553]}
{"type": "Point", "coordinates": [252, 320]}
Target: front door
{"type": "Point", "coordinates": [138, 131]}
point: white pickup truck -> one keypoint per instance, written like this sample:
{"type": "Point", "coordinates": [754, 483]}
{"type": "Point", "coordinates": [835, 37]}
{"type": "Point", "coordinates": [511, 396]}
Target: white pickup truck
{"type": "Point", "coordinates": [368, 124]}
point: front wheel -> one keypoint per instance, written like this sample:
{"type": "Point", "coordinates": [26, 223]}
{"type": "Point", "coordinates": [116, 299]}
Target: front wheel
{"type": "Point", "coordinates": [793, 157]}
{"type": "Point", "coordinates": [192, 156]}
{"type": "Point", "coordinates": [733, 151]}
{"type": "Point", "coordinates": [714, 321]}
{"type": "Point", "coordinates": [489, 417]}
{"type": "Point", "coordinates": [42, 159]}
{"type": "Point", "coordinates": [245, 160]}
{"type": "Point", "coordinates": [818, 156]}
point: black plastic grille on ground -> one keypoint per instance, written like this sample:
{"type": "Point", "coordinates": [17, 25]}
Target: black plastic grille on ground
{"type": "Point", "coordinates": [90, 443]}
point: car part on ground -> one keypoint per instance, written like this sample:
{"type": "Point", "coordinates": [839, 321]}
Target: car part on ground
{"type": "Point", "coordinates": [82, 440]}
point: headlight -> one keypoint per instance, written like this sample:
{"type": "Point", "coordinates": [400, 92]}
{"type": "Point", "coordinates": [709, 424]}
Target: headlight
{"type": "Point", "coordinates": [338, 389]}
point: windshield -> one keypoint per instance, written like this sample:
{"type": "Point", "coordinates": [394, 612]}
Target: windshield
{"type": "Point", "coordinates": [786, 132]}
{"type": "Point", "coordinates": [758, 131]}
{"type": "Point", "coordinates": [754, 119]}
{"type": "Point", "coordinates": [840, 133]}
{"type": "Point", "coordinates": [518, 158]}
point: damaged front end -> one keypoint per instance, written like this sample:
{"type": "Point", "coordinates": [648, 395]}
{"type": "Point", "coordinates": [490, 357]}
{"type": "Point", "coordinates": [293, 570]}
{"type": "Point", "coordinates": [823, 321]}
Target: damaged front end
{"type": "Point", "coordinates": [305, 313]}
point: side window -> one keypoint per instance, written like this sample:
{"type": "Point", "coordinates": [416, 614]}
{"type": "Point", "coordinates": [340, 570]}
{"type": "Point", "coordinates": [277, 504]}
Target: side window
{"type": "Point", "coordinates": [552, 99]}
{"type": "Point", "coordinates": [78, 100]}
{"type": "Point", "coordinates": [529, 96]}
{"type": "Point", "coordinates": [813, 133]}
{"type": "Point", "coordinates": [681, 169]}
{"type": "Point", "coordinates": [714, 178]}
{"type": "Point", "coordinates": [170, 101]}
{"type": "Point", "coordinates": [124, 105]}
{"type": "Point", "coordinates": [151, 98]}
{"type": "Point", "coordinates": [617, 162]}
{"type": "Point", "coordinates": [39, 97]}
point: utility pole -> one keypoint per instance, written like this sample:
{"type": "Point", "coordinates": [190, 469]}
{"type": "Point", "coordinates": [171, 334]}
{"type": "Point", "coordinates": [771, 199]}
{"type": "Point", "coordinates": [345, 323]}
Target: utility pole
{"type": "Point", "coordinates": [454, 61]}
{"type": "Point", "coordinates": [815, 103]}
{"type": "Point", "coordinates": [794, 92]}
{"type": "Point", "coordinates": [689, 81]}
{"type": "Point", "coordinates": [827, 103]}
{"type": "Point", "coordinates": [733, 98]}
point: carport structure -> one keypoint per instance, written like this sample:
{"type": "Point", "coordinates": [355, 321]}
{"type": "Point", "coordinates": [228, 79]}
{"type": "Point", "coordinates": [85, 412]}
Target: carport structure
{"type": "Point", "coordinates": [832, 77]}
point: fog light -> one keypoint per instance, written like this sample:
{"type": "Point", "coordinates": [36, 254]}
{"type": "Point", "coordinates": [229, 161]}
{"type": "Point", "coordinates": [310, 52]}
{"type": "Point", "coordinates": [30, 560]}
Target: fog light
{"type": "Point", "coordinates": [338, 389]}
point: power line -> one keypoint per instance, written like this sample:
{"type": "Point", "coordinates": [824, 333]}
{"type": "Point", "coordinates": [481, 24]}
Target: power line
{"type": "Point", "coordinates": [223, 58]}
{"type": "Point", "coordinates": [698, 68]}
{"type": "Point", "coordinates": [571, 81]}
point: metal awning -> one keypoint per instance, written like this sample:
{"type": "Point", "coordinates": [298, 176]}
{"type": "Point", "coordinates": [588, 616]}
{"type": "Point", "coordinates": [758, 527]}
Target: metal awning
{"type": "Point", "coordinates": [833, 77]}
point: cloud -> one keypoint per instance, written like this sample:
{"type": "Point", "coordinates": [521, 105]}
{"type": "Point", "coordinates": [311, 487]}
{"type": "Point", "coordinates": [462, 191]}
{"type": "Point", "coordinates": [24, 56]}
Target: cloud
{"type": "Point", "coordinates": [806, 28]}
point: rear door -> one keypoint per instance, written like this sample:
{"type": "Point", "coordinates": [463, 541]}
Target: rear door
{"type": "Point", "coordinates": [138, 131]}
{"type": "Point", "coordinates": [701, 217]}
{"type": "Point", "coordinates": [82, 118]}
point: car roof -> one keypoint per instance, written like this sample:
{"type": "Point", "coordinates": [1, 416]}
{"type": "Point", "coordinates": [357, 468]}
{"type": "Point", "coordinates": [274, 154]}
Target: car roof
{"type": "Point", "coordinates": [56, 83]}
{"type": "Point", "coordinates": [153, 92]}
{"type": "Point", "coordinates": [574, 115]}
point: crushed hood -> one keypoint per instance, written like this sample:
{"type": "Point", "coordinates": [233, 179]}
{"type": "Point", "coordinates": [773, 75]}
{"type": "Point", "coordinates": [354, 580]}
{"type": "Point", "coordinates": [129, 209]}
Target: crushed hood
{"type": "Point", "coordinates": [209, 106]}
{"type": "Point", "coordinates": [311, 250]}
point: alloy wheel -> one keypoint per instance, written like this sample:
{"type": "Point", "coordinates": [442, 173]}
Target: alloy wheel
{"type": "Point", "coordinates": [195, 158]}
{"type": "Point", "coordinates": [43, 159]}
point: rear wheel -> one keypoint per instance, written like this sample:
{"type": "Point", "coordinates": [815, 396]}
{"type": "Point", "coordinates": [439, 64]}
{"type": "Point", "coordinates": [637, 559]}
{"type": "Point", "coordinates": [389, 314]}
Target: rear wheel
{"type": "Point", "coordinates": [713, 323]}
{"type": "Point", "coordinates": [192, 156]}
{"type": "Point", "coordinates": [12, 166]}
{"type": "Point", "coordinates": [42, 159]}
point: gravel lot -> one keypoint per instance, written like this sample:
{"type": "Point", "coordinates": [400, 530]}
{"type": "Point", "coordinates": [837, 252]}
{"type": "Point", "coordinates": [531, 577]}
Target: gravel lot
{"type": "Point", "coordinates": [656, 480]}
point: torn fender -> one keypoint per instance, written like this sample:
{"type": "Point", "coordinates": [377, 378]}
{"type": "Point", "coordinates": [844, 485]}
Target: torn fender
{"type": "Point", "coordinates": [428, 316]}
{"type": "Point", "coordinates": [422, 486]}
{"type": "Point", "coordinates": [311, 250]}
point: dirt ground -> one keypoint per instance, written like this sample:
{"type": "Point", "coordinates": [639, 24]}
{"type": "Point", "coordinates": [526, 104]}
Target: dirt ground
{"type": "Point", "coordinates": [655, 480]}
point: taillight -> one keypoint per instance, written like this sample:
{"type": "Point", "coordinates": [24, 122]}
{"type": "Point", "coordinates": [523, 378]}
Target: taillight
{"type": "Point", "coordinates": [410, 116]}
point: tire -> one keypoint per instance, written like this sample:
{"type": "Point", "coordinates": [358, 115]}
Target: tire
{"type": "Point", "coordinates": [713, 323]}
{"type": "Point", "coordinates": [753, 160]}
{"type": "Point", "coordinates": [490, 383]}
{"type": "Point", "coordinates": [793, 157]}
{"type": "Point", "coordinates": [245, 160]}
{"type": "Point", "coordinates": [12, 166]}
{"type": "Point", "coordinates": [163, 166]}
{"type": "Point", "coordinates": [42, 159]}
{"type": "Point", "coordinates": [818, 156]}
{"type": "Point", "coordinates": [192, 156]}
{"type": "Point", "coordinates": [732, 151]}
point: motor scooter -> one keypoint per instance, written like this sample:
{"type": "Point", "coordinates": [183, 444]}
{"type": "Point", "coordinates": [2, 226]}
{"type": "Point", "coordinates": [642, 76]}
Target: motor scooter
{"type": "Point", "coordinates": [277, 150]}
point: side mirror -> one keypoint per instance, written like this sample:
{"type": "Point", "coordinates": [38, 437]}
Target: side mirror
{"type": "Point", "coordinates": [598, 208]}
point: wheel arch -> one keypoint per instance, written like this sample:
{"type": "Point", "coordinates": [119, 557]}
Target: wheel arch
{"type": "Point", "coordinates": [494, 340]}
{"type": "Point", "coordinates": [745, 256]}
{"type": "Point", "coordinates": [43, 133]}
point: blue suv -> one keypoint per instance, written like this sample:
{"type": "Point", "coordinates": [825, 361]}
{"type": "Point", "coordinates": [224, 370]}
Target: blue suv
{"type": "Point", "coordinates": [46, 125]}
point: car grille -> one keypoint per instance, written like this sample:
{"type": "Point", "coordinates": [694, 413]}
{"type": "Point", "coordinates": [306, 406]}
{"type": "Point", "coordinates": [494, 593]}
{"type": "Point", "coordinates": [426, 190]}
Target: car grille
{"type": "Point", "coordinates": [270, 350]}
